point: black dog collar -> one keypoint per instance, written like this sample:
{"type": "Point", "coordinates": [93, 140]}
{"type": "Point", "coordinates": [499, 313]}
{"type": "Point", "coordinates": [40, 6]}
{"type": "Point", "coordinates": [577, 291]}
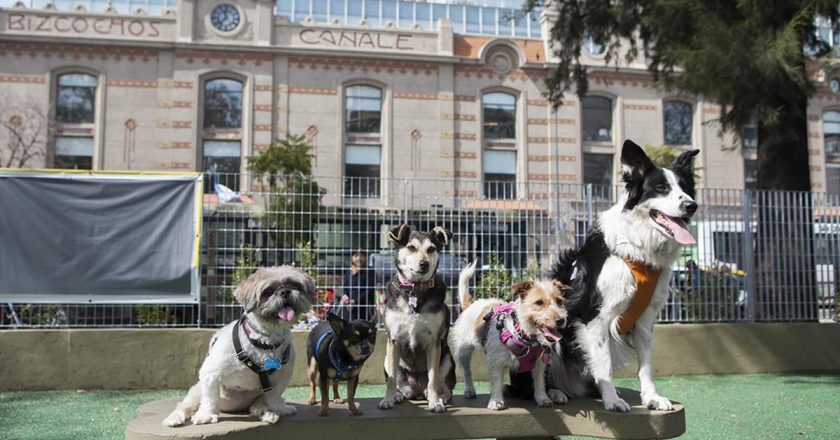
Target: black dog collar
{"type": "Point", "coordinates": [243, 357]}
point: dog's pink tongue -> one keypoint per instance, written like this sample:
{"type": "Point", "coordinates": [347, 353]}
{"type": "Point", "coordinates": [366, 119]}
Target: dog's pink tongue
{"type": "Point", "coordinates": [551, 335]}
{"type": "Point", "coordinates": [681, 233]}
{"type": "Point", "coordinates": [286, 313]}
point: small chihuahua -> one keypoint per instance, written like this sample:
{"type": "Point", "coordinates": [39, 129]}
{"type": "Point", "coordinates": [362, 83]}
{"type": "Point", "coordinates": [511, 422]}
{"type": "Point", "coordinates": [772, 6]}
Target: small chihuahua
{"type": "Point", "coordinates": [336, 350]}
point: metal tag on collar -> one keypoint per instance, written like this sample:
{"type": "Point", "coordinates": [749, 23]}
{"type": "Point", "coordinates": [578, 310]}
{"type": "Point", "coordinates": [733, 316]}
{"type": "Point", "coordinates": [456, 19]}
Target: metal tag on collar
{"type": "Point", "coordinates": [272, 364]}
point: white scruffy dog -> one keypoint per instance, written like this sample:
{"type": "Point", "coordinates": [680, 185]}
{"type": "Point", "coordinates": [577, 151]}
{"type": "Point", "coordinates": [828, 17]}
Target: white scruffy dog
{"type": "Point", "coordinates": [272, 298]}
{"type": "Point", "coordinates": [514, 336]}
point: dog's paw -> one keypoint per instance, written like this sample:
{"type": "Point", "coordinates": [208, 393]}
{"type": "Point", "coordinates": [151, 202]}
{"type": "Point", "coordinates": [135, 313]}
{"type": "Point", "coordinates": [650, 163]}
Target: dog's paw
{"type": "Point", "coordinates": [657, 402]}
{"type": "Point", "coordinates": [270, 417]}
{"type": "Point", "coordinates": [437, 407]}
{"type": "Point", "coordinates": [203, 418]}
{"type": "Point", "coordinates": [313, 401]}
{"type": "Point", "coordinates": [399, 397]}
{"type": "Point", "coordinates": [557, 396]}
{"type": "Point", "coordinates": [177, 418]}
{"type": "Point", "coordinates": [469, 393]}
{"type": "Point", "coordinates": [543, 402]}
{"type": "Point", "coordinates": [496, 405]}
{"type": "Point", "coordinates": [355, 409]}
{"type": "Point", "coordinates": [338, 400]}
{"type": "Point", "coordinates": [617, 405]}
{"type": "Point", "coordinates": [323, 411]}
{"type": "Point", "coordinates": [386, 404]}
{"type": "Point", "coordinates": [286, 410]}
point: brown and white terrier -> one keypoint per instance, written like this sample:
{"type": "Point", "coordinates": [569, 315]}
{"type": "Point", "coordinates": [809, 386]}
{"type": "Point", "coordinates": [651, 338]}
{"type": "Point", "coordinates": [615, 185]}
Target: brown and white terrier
{"type": "Point", "coordinates": [515, 336]}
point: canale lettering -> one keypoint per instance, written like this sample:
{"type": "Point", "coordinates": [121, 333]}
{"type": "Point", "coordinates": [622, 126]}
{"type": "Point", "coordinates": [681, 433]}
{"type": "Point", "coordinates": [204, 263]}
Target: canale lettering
{"type": "Point", "coordinates": [82, 25]}
{"type": "Point", "coordinates": [363, 40]}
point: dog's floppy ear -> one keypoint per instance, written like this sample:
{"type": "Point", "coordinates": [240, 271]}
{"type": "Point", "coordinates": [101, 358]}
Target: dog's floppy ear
{"type": "Point", "coordinates": [400, 234]}
{"type": "Point", "coordinates": [634, 159]}
{"type": "Point", "coordinates": [309, 285]}
{"type": "Point", "coordinates": [441, 235]}
{"type": "Point", "coordinates": [521, 289]}
{"type": "Point", "coordinates": [635, 165]}
{"type": "Point", "coordinates": [560, 288]}
{"type": "Point", "coordinates": [336, 323]}
{"type": "Point", "coordinates": [248, 291]}
{"type": "Point", "coordinates": [682, 167]}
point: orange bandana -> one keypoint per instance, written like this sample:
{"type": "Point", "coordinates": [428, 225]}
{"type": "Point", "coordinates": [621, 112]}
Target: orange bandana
{"type": "Point", "coordinates": [646, 279]}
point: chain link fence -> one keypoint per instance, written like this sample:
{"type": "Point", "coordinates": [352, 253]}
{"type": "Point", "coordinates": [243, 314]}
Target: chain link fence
{"type": "Point", "coordinates": [760, 256]}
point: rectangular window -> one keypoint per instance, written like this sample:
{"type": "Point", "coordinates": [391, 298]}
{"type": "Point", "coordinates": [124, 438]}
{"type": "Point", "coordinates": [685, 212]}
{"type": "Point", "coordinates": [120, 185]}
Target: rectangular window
{"type": "Point", "coordinates": [597, 119]}
{"type": "Point", "coordinates": [422, 15]}
{"type": "Point", "coordinates": [500, 174]}
{"type": "Point", "coordinates": [319, 10]}
{"type": "Point", "coordinates": [750, 174]}
{"type": "Point", "coordinates": [488, 21]}
{"type": "Point", "coordinates": [73, 153]}
{"type": "Point", "coordinates": [389, 12]}
{"type": "Point", "coordinates": [362, 170]}
{"type": "Point", "coordinates": [337, 10]}
{"type": "Point", "coordinates": [372, 12]}
{"type": "Point", "coordinates": [222, 164]}
{"type": "Point", "coordinates": [473, 20]}
{"type": "Point", "coordinates": [678, 116]}
{"type": "Point", "coordinates": [406, 11]}
{"type": "Point", "coordinates": [832, 178]}
{"type": "Point", "coordinates": [363, 105]}
{"type": "Point", "coordinates": [749, 136]}
{"type": "Point", "coordinates": [456, 14]}
{"type": "Point", "coordinates": [598, 171]}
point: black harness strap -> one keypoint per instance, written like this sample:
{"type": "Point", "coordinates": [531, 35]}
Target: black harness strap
{"type": "Point", "coordinates": [243, 357]}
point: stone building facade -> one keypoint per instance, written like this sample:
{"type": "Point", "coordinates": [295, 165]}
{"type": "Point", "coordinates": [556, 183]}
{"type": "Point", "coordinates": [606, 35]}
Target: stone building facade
{"type": "Point", "coordinates": [381, 88]}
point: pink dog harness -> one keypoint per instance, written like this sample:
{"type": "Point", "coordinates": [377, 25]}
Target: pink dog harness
{"type": "Point", "coordinates": [525, 349]}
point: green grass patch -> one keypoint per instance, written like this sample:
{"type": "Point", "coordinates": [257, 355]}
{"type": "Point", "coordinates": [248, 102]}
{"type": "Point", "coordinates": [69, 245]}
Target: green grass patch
{"type": "Point", "coordinates": [717, 407]}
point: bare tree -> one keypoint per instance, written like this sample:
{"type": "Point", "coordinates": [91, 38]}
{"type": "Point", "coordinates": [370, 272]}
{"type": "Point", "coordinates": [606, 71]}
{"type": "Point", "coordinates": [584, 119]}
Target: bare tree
{"type": "Point", "coordinates": [25, 127]}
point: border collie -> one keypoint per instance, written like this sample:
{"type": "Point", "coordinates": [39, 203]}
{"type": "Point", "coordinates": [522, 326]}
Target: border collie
{"type": "Point", "coordinates": [619, 279]}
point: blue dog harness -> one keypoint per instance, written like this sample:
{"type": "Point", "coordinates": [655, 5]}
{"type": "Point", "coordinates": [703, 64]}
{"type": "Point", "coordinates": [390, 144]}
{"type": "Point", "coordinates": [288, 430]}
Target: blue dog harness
{"type": "Point", "coordinates": [341, 369]}
{"type": "Point", "coordinates": [271, 365]}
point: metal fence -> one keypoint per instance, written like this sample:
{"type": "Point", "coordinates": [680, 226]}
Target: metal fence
{"type": "Point", "coordinates": [760, 256]}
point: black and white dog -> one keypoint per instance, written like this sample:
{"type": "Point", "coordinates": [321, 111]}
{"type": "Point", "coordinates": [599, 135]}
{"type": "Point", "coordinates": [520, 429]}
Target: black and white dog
{"type": "Point", "coordinates": [417, 359]}
{"type": "Point", "coordinates": [619, 279]}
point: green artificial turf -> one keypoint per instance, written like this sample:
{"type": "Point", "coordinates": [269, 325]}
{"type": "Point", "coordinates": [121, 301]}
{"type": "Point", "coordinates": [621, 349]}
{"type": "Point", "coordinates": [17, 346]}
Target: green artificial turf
{"type": "Point", "coordinates": [717, 407]}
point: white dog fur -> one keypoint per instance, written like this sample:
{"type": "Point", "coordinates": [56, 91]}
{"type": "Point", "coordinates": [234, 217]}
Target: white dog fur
{"type": "Point", "coordinates": [225, 383]}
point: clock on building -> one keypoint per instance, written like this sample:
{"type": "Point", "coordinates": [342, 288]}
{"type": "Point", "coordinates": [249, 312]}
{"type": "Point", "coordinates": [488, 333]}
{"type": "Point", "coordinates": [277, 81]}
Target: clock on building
{"type": "Point", "coordinates": [225, 17]}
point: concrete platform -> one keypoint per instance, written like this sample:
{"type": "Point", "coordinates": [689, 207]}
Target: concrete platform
{"type": "Point", "coordinates": [464, 419]}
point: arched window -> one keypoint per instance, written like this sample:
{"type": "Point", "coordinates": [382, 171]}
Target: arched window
{"type": "Point", "coordinates": [363, 142]}
{"type": "Point", "coordinates": [499, 158]}
{"type": "Point", "coordinates": [363, 109]}
{"type": "Point", "coordinates": [222, 133]}
{"type": "Point", "coordinates": [677, 121]}
{"type": "Point", "coordinates": [223, 103]}
{"type": "Point", "coordinates": [593, 46]}
{"type": "Point", "coordinates": [75, 98]}
{"type": "Point", "coordinates": [499, 111]}
{"type": "Point", "coordinates": [75, 112]}
{"type": "Point", "coordinates": [597, 119]}
{"type": "Point", "coordinates": [831, 132]}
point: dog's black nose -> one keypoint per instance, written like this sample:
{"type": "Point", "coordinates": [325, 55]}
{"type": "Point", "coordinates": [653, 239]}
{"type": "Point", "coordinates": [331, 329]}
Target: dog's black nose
{"type": "Point", "coordinates": [689, 207]}
{"type": "Point", "coordinates": [285, 292]}
{"type": "Point", "coordinates": [560, 323]}
{"type": "Point", "coordinates": [424, 266]}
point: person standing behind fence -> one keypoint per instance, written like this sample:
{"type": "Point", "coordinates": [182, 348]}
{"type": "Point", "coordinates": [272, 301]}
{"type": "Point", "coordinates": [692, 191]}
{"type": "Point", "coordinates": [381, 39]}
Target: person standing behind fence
{"type": "Point", "coordinates": [358, 300]}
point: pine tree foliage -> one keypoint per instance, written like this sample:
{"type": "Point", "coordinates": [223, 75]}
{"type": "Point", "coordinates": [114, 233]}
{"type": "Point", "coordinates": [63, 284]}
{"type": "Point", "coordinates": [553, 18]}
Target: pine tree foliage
{"type": "Point", "coordinates": [754, 58]}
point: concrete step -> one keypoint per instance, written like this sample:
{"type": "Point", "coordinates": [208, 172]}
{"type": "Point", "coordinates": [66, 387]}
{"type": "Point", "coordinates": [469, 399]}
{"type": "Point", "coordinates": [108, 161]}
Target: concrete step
{"type": "Point", "coordinates": [464, 419]}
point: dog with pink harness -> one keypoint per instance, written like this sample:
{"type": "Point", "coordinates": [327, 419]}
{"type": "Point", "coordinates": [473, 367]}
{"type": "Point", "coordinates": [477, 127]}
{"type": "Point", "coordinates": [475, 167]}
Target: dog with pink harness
{"type": "Point", "coordinates": [515, 336]}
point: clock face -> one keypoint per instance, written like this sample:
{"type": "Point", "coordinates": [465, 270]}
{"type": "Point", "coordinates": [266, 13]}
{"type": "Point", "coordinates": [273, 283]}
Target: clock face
{"type": "Point", "coordinates": [225, 17]}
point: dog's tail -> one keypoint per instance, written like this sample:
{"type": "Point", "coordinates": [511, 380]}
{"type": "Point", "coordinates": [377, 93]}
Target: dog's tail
{"type": "Point", "coordinates": [464, 297]}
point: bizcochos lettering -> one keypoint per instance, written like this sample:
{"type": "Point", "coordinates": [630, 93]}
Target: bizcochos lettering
{"type": "Point", "coordinates": [82, 25]}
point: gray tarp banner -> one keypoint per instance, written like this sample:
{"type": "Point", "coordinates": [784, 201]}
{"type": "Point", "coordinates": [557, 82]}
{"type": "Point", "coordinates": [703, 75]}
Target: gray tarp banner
{"type": "Point", "coordinates": [99, 237]}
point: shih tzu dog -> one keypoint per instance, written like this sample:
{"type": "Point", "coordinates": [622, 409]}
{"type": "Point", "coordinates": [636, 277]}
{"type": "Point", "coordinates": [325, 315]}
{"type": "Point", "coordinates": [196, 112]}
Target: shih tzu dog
{"type": "Point", "coordinates": [250, 360]}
